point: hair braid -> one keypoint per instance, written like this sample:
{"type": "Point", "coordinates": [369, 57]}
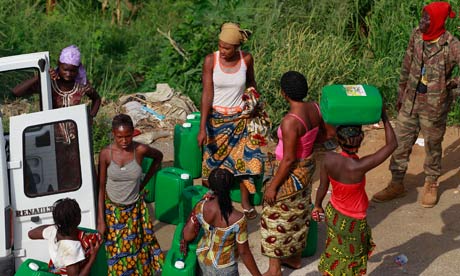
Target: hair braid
{"type": "Point", "coordinates": [66, 215]}
{"type": "Point", "coordinates": [221, 181]}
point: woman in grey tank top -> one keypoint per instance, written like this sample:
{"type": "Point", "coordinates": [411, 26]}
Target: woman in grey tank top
{"type": "Point", "coordinates": [122, 212]}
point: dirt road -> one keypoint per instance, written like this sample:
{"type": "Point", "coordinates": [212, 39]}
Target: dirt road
{"type": "Point", "coordinates": [430, 238]}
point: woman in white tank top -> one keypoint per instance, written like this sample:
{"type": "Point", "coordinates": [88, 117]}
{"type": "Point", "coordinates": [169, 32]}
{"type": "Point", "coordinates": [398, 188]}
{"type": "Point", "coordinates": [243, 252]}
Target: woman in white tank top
{"type": "Point", "coordinates": [226, 74]}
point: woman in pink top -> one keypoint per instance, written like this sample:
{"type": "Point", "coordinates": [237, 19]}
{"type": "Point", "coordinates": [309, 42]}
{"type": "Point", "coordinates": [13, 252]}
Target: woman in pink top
{"type": "Point", "coordinates": [284, 218]}
{"type": "Point", "coordinates": [349, 242]}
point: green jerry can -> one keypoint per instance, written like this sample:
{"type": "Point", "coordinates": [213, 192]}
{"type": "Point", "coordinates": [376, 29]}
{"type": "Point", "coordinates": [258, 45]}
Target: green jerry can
{"type": "Point", "coordinates": [192, 246]}
{"type": "Point", "coordinates": [176, 265]}
{"type": "Point", "coordinates": [194, 119]}
{"type": "Point", "coordinates": [186, 266]}
{"type": "Point", "coordinates": [169, 185]}
{"type": "Point", "coordinates": [190, 197]}
{"type": "Point", "coordinates": [351, 104]}
{"type": "Point", "coordinates": [312, 238]}
{"type": "Point", "coordinates": [31, 267]}
{"type": "Point", "coordinates": [150, 186]}
{"type": "Point", "coordinates": [256, 198]}
{"type": "Point", "coordinates": [187, 153]}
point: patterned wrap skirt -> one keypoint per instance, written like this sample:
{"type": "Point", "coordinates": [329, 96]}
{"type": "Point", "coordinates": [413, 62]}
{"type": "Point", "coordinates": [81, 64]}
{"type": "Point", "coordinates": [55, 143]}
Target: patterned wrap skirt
{"type": "Point", "coordinates": [229, 145]}
{"type": "Point", "coordinates": [132, 248]}
{"type": "Point", "coordinates": [348, 246]}
{"type": "Point", "coordinates": [284, 226]}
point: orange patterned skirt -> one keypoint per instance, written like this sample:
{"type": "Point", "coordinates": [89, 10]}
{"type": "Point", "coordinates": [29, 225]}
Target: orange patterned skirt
{"type": "Point", "coordinates": [230, 146]}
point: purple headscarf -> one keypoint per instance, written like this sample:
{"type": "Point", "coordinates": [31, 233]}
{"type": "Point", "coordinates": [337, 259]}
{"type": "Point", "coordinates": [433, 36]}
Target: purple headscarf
{"type": "Point", "coordinates": [71, 55]}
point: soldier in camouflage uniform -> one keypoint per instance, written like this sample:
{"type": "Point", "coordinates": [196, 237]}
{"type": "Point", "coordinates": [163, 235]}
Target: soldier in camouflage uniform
{"type": "Point", "coordinates": [424, 98]}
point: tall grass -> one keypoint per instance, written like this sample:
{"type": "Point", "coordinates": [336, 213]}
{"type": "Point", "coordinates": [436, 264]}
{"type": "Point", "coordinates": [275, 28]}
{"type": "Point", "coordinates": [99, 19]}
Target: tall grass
{"type": "Point", "coordinates": [334, 41]}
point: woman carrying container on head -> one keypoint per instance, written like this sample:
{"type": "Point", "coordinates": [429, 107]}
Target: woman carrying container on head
{"type": "Point", "coordinates": [223, 127]}
{"type": "Point", "coordinates": [131, 245]}
{"type": "Point", "coordinates": [225, 230]}
{"type": "Point", "coordinates": [284, 218]}
{"type": "Point", "coordinates": [349, 240]}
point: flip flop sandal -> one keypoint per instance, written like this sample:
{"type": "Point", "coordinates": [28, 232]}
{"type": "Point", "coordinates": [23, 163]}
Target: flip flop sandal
{"type": "Point", "coordinates": [250, 214]}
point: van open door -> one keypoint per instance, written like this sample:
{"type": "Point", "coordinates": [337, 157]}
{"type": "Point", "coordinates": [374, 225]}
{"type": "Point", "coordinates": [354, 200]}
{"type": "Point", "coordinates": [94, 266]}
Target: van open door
{"type": "Point", "coordinates": [45, 167]}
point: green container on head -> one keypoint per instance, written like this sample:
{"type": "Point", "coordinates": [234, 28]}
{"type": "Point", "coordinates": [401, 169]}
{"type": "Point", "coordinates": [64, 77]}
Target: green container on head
{"type": "Point", "coordinates": [190, 197]}
{"type": "Point", "coordinates": [187, 153]}
{"type": "Point", "coordinates": [351, 104]}
{"type": "Point", "coordinates": [169, 185]}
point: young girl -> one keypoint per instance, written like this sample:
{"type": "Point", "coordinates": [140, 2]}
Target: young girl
{"type": "Point", "coordinates": [69, 85]}
{"type": "Point", "coordinates": [225, 234]}
{"type": "Point", "coordinates": [130, 241]}
{"type": "Point", "coordinates": [68, 255]}
{"type": "Point", "coordinates": [349, 240]}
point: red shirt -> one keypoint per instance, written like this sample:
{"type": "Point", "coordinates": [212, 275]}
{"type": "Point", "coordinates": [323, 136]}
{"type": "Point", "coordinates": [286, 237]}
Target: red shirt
{"type": "Point", "coordinates": [350, 199]}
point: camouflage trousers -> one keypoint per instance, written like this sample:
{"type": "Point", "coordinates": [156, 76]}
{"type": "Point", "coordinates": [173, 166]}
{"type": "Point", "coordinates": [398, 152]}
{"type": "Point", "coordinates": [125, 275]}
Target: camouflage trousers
{"type": "Point", "coordinates": [408, 127]}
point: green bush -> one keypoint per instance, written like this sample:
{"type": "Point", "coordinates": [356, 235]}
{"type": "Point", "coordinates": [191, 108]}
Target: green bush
{"type": "Point", "coordinates": [335, 41]}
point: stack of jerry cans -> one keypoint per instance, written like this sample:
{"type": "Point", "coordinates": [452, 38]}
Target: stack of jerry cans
{"type": "Point", "coordinates": [170, 183]}
{"type": "Point", "coordinates": [187, 153]}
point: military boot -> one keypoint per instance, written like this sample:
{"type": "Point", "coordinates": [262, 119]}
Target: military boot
{"type": "Point", "coordinates": [430, 194]}
{"type": "Point", "coordinates": [392, 191]}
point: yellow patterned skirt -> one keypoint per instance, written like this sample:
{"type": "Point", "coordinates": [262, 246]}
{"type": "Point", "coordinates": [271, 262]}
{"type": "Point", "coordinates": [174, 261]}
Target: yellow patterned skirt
{"type": "Point", "coordinates": [284, 226]}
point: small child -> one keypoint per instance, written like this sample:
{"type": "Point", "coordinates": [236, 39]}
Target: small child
{"type": "Point", "coordinates": [225, 234]}
{"type": "Point", "coordinates": [66, 243]}
{"type": "Point", "coordinates": [349, 239]}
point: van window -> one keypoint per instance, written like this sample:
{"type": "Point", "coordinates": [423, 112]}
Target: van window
{"type": "Point", "coordinates": [11, 105]}
{"type": "Point", "coordinates": [51, 159]}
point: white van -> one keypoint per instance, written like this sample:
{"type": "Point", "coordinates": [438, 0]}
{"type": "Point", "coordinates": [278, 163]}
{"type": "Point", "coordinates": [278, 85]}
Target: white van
{"type": "Point", "coordinates": [28, 169]}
